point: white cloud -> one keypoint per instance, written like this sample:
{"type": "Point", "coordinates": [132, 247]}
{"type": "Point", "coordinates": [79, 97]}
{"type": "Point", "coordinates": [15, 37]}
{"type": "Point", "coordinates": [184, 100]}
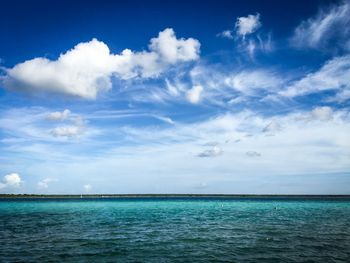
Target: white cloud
{"type": "Point", "coordinates": [215, 151]}
{"type": "Point", "coordinates": [172, 50]}
{"type": "Point", "coordinates": [67, 131]}
{"type": "Point", "coordinates": [87, 69]}
{"type": "Point", "coordinates": [44, 184]}
{"type": "Point", "coordinates": [248, 24]}
{"type": "Point", "coordinates": [304, 146]}
{"type": "Point", "coordinates": [226, 34]}
{"type": "Point", "coordinates": [251, 46]}
{"type": "Point", "coordinates": [32, 124]}
{"type": "Point", "coordinates": [265, 43]}
{"type": "Point", "coordinates": [327, 25]}
{"type": "Point", "coordinates": [164, 119]}
{"type": "Point", "coordinates": [224, 87]}
{"type": "Point", "coordinates": [333, 75]}
{"type": "Point", "coordinates": [247, 42]}
{"type": "Point", "coordinates": [237, 100]}
{"type": "Point", "coordinates": [272, 127]}
{"type": "Point", "coordinates": [172, 89]}
{"type": "Point", "coordinates": [83, 71]}
{"type": "Point", "coordinates": [212, 143]}
{"type": "Point", "coordinates": [58, 116]}
{"type": "Point", "coordinates": [324, 113]}
{"type": "Point", "coordinates": [248, 82]}
{"type": "Point", "coordinates": [341, 96]}
{"type": "Point", "coordinates": [12, 180]}
{"type": "Point", "coordinates": [74, 129]}
{"type": "Point", "coordinates": [253, 154]}
{"type": "Point", "coordinates": [87, 188]}
{"type": "Point", "coordinates": [194, 95]}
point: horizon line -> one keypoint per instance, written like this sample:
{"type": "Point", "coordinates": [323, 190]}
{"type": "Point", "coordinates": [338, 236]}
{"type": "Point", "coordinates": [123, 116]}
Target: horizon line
{"type": "Point", "coordinates": [172, 195]}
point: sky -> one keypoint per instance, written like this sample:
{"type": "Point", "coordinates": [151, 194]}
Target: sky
{"type": "Point", "coordinates": [215, 97]}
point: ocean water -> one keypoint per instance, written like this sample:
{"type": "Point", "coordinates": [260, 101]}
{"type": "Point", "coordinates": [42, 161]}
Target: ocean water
{"type": "Point", "coordinates": [175, 230]}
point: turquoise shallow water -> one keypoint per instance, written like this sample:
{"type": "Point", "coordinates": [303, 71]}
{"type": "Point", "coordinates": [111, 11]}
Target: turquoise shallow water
{"type": "Point", "coordinates": [175, 230]}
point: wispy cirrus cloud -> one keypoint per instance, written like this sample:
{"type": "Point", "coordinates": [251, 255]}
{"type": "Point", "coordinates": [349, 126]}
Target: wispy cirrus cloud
{"type": "Point", "coordinates": [333, 75]}
{"type": "Point", "coordinates": [328, 30]}
{"type": "Point", "coordinates": [250, 81]}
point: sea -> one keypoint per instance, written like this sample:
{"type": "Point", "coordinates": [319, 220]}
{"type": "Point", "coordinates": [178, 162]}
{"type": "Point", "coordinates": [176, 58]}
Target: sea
{"type": "Point", "coordinates": [175, 230]}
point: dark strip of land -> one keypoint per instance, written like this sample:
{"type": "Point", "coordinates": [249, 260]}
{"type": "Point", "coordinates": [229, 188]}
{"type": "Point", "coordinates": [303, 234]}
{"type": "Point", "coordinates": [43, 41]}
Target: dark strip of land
{"type": "Point", "coordinates": [228, 196]}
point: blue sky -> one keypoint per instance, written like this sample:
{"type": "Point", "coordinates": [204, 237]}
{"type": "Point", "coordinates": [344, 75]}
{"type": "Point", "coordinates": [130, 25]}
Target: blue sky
{"type": "Point", "coordinates": [175, 97]}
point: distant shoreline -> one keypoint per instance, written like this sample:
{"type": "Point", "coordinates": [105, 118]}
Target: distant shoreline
{"type": "Point", "coordinates": [171, 196]}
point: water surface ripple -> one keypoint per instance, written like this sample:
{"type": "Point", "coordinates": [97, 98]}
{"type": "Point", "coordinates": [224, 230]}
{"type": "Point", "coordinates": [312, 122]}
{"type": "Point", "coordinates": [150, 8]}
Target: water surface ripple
{"type": "Point", "coordinates": [183, 230]}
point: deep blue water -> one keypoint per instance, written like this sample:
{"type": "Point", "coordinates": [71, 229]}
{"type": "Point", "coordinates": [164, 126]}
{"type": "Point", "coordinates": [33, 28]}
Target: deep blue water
{"type": "Point", "coordinates": [175, 230]}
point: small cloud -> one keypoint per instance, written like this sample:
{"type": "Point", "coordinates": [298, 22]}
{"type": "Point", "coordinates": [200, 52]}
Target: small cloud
{"type": "Point", "coordinates": [164, 119]}
{"type": "Point", "coordinates": [172, 50]}
{"type": "Point", "coordinates": [322, 113]}
{"type": "Point", "coordinates": [246, 25]}
{"type": "Point", "coordinates": [215, 151]}
{"type": "Point", "coordinates": [247, 42]}
{"type": "Point", "coordinates": [194, 94]}
{"type": "Point", "coordinates": [253, 154]}
{"type": "Point", "coordinates": [44, 184]}
{"type": "Point", "coordinates": [272, 127]}
{"type": "Point", "coordinates": [67, 131]}
{"type": "Point", "coordinates": [77, 120]}
{"type": "Point", "coordinates": [226, 34]}
{"type": "Point", "coordinates": [58, 116]}
{"type": "Point", "coordinates": [213, 143]}
{"type": "Point", "coordinates": [237, 100]}
{"type": "Point", "coordinates": [87, 188]}
{"type": "Point", "coordinates": [76, 128]}
{"type": "Point", "coordinates": [12, 180]}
